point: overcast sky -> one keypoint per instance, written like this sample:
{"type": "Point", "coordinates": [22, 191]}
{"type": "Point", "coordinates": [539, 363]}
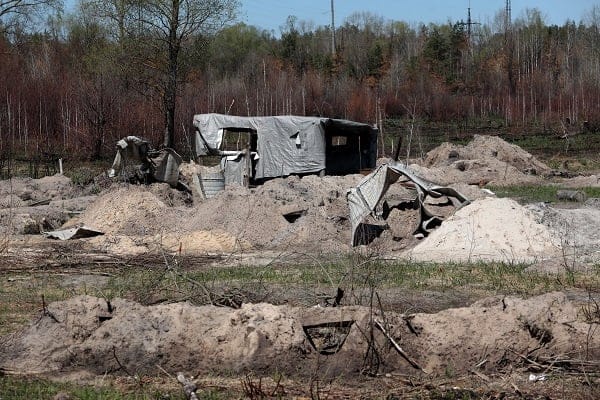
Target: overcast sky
{"type": "Point", "coordinates": [271, 14]}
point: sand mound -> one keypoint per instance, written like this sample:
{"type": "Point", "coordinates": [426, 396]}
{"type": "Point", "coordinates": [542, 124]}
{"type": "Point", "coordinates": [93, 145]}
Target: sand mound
{"type": "Point", "coordinates": [577, 230]}
{"type": "Point", "coordinates": [200, 242]}
{"type": "Point", "coordinates": [489, 229]}
{"type": "Point", "coordinates": [29, 190]}
{"type": "Point", "coordinates": [296, 213]}
{"type": "Point", "coordinates": [133, 211]}
{"type": "Point", "coordinates": [90, 334]}
{"type": "Point", "coordinates": [486, 147]}
{"type": "Point", "coordinates": [485, 159]}
{"type": "Point", "coordinates": [299, 214]}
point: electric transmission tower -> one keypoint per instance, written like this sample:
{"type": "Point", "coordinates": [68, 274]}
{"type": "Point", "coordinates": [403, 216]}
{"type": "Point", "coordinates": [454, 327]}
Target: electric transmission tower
{"type": "Point", "coordinates": [469, 24]}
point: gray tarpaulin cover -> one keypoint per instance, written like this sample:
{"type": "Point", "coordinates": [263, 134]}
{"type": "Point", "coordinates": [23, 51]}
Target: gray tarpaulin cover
{"type": "Point", "coordinates": [364, 199]}
{"type": "Point", "coordinates": [285, 144]}
{"type": "Point", "coordinates": [163, 164]}
{"type": "Point", "coordinates": [74, 233]}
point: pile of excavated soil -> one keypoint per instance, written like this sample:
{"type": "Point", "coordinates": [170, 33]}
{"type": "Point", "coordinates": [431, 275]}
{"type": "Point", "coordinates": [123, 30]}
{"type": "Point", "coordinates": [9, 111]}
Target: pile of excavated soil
{"type": "Point", "coordinates": [131, 211]}
{"type": "Point", "coordinates": [29, 190]}
{"type": "Point", "coordinates": [489, 229]}
{"type": "Point", "coordinates": [486, 159]}
{"type": "Point", "coordinates": [19, 213]}
{"type": "Point", "coordinates": [88, 334]}
{"type": "Point", "coordinates": [577, 230]}
{"type": "Point", "coordinates": [299, 214]}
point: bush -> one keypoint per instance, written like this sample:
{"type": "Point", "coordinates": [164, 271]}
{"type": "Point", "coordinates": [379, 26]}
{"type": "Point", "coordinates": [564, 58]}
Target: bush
{"type": "Point", "coordinates": [82, 176]}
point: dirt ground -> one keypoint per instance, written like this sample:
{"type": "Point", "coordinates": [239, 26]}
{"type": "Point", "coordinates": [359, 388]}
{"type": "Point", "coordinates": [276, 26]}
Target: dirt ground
{"type": "Point", "coordinates": [488, 339]}
{"type": "Point", "coordinates": [92, 335]}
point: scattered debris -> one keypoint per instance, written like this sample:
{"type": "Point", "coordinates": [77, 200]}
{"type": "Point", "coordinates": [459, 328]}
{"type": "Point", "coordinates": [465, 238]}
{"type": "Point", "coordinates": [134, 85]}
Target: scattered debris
{"type": "Point", "coordinates": [136, 160]}
{"type": "Point", "coordinates": [328, 337]}
{"type": "Point", "coordinates": [366, 199]}
{"type": "Point", "coordinates": [74, 233]}
{"type": "Point", "coordinates": [189, 387]}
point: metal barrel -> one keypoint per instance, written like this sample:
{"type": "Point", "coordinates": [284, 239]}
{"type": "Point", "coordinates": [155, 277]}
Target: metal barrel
{"type": "Point", "coordinates": [212, 183]}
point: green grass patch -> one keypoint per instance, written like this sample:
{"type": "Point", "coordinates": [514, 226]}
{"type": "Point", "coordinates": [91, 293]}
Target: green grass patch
{"type": "Point", "coordinates": [296, 284]}
{"type": "Point", "coordinates": [487, 278]}
{"type": "Point", "coordinates": [18, 388]}
{"type": "Point", "coordinates": [583, 143]}
{"type": "Point", "coordinates": [537, 193]}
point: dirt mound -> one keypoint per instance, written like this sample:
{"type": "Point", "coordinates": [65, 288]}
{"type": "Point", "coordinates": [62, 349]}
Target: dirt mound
{"type": "Point", "coordinates": [93, 335]}
{"type": "Point", "coordinates": [576, 229]}
{"type": "Point", "coordinates": [497, 331]}
{"type": "Point", "coordinates": [19, 213]}
{"type": "Point", "coordinates": [32, 220]}
{"type": "Point", "coordinates": [131, 211]}
{"type": "Point", "coordinates": [489, 229]}
{"type": "Point", "coordinates": [87, 333]}
{"type": "Point", "coordinates": [301, 214]}
{"type": "Point", "coordinates": [29, 190]}
{"type": "Point", "coordinates": [293, 212]}
{"type": "Point", "coordinates": [581, 181]}
{"type": "Point", "coordinates": [485, 159]}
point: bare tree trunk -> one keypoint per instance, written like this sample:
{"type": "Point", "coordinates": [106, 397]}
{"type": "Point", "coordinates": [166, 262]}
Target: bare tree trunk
{"type": "Point", "coordinates": [170, 95]}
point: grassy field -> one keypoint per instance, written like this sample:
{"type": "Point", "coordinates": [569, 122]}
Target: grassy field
{"type": "Point", "coordinates": [23, 293]}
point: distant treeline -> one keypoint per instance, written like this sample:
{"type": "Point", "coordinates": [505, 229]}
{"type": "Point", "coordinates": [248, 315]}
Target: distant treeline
{"type": "Point", "coordinates": [84, 82]}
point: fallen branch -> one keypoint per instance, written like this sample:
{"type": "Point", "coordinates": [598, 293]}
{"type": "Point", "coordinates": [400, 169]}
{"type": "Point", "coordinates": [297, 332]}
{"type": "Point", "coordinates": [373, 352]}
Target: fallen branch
{"type": "Point", "coordinates": [46, 312]}
{"type": "Point", "coordinates": [398, 348]}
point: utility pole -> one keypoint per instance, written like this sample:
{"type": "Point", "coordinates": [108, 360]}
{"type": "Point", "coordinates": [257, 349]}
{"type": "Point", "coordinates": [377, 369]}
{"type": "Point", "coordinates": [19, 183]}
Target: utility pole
{"type": "Point", "coordinates": [507, 16]}
{"type": "Point", "coordinates": [332, 30]}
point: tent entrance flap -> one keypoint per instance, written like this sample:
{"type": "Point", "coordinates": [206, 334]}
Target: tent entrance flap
{"type": "Point", "coordinates": [239, 150]}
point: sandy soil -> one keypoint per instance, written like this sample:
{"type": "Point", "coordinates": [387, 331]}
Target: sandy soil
{"type": "Point", "coordinates": [490, 229]}
{"type": "Point", "coordinates": [310, 214]}
{"type": "Point", "coordinates": [89, 334]}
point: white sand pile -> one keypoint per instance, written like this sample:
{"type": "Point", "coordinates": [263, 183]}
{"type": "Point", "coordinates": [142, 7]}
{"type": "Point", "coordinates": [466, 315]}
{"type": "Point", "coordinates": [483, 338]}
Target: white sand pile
{"type": "Point", "coordinates": [486, 159]}
{"type": "Point", "coordinates": [489, 229]}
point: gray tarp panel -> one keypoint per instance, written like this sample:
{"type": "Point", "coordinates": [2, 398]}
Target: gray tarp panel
{"type": "Point", "coordinates": [285, 144]}
{"type": "Point", "coordinates": [74, 233]}
{"type": "Point", "coordinates": [132, 149]}
{"type": "Point", "coordinates": [364, 199]}
{"type": "Point", "coordinates": [210, 126]}
{"type": "Point", "coordinates": [290, 145]}
{"type": "Point", "coordinates": [234, 168]}
{"type": "Point", "coordinates": [167, 166]}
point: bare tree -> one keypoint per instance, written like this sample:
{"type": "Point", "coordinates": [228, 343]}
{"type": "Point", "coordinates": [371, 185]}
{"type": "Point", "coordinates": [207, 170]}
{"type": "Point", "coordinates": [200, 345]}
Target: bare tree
{"type": "Point", "coordinates": [160, 36]}
{"type": "Point", "coordinates": [12, 10]}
